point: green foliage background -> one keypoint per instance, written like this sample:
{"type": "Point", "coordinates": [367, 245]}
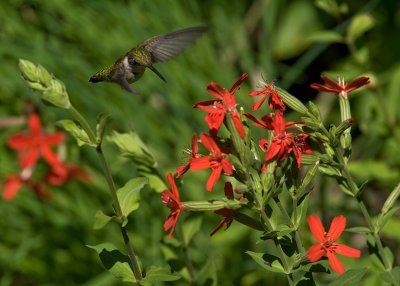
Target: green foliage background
{"type": "Point", "coordinates": [43, 243]}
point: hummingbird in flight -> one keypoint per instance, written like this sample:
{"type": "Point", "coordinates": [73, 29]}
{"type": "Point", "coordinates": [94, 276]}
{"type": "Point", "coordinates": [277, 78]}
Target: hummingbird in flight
{"type": "Point", "coordinates": [130, 67]}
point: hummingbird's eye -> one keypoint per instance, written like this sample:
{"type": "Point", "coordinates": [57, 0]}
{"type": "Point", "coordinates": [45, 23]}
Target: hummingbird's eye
{"type": "Point", "coordinates": [133, 62]}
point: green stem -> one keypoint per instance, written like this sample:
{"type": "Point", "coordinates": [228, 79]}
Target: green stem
{"type": "Point", "coordinates": [286, 216]}
{"type": "Point", "coordinates": [82, 121]}
{"type": "Point", "coordinates": [134, 264]}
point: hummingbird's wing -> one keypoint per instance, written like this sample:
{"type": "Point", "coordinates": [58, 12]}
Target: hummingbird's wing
{"type": "Point", "coordinates": [168, 46]}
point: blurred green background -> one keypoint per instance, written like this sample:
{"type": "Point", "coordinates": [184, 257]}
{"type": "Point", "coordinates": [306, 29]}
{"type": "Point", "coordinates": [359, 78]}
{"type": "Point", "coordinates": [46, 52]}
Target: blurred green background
{"type": "Point", "coordinates": [291, 42]}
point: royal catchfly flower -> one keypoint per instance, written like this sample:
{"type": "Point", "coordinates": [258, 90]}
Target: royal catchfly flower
{"type": "Point", "coordinates": [225, 103]}
{"type": "Point", "coordinates": [283, 143]}
{"type": "Point", "coordinates": [327, 242]}
{"type": "Point", "coordinates": [172, 200]}
{"type": "Point", "coordinates": [340, 88]}
{"type": "Point", "coordinates": [216, 161]}
{"type": "Point", "coordinates": [35, 143]}
{"type": "Point", "coordinates": [274, 101]}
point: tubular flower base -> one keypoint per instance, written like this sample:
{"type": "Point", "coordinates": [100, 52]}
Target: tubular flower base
{"type": "Point", "coordinates": [340, 88]}
{"type": "Point", "coordinates": [327, 242]}
{"type": "Point", "coordinates": [172, 200]}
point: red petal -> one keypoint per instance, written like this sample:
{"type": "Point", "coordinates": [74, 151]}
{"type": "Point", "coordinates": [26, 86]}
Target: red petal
{"type": "Point", "coordinates": [237, 84]}
{"type": "Point", "coordinates": [19, 141]}
{"type": "Point", "coordinates": [228, 190]}
{"type": "Point", "coordinates": [55, 138]}
{"type": "Point", "coordinates": [210, 144]}
{"type": "Point", "coordinates": [335, 263]}
{"type": "Point", "coordinates": [29, 157]}
{"type": "Point", "coordinates": [215, 118]}
{"type": "Point", "coordinates": [316, 228]}
{"type": "Point", "coordinates": [273, 149]}
{"type": "Point", "coordinates": [204, 103]}
{"type": "Point", "coordinates": [347, 250]}
{"type": "Point", "coordinates": [238, 124]}
{"type": "Point", "coordinates": [257, 104]}
{"type": "Point", "coordinates": [227, 166]}
{"type": "Point", "coordinates": [215, 90]}
{"type": "Point", "coordinates": [35, 126]}
{"type": "Point", "coordinates": [337, 226]}
{"type": "Point", "coordinates": [174, 188]}
{"type": "Point", "coordinates": [357, 83]}
{"type": "Point", "coordinates": [49, 156]}
{"type": "Point", "coordinates": [195, 146]}
{"type": "Point", "coordinates": [182, 170]}
{"type": "Point", "coordinates": [325, 88]}
{"type": "Point", "coordinates": [212, 180]}
{"type": "Point", "coordinates": [332, 83]}
{"type": "Point", "coordinates": [315, 252]}
{"type": "Point", "coordinates": [12, 185]}
{"type": "Point", "coordinates": [200, 163]}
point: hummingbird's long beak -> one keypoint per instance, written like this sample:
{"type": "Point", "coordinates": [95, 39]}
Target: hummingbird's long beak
{"type": "Point", "coordinates": [153, 69]}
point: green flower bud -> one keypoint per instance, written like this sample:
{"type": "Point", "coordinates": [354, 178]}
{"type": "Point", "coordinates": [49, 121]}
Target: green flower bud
{"type": "Point", "coordinates": [57, 95]}
{"type": "Point", "coordinates": [28, 70]}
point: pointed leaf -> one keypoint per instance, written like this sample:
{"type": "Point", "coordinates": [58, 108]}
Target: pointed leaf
{"type": "Point", "coordinates": [114, 261]}
{"type": "Point", "coordinates": [77, 132]}
{"type": "Point", "coordinates": [129, 196]}
{"type": "Point", "coordinates": [358, 229]}
{"type": "Point", "coordinates": [267, 261]}
{"type": "Point", "coordinates": [360, 24]}
{"type": "Point", "coordinates": [350, 278]}
{"type": "Point", "coordinates": [102, 120]}
{"type": "Point", "coordinates": [159, 274]}
{"type": "Point", "coordinates": [392, 277]}
{"type": "Point", "coordinates": [190, 227]}
{"type": "Point", "coordinates": [101, 220]}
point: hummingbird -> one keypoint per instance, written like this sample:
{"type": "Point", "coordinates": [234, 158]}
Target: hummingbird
{"type": "Point", "coordinates": [131, 66]}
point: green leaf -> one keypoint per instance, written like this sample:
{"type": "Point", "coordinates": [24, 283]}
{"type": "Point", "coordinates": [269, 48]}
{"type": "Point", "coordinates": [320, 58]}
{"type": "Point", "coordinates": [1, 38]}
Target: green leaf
{"type": "Point", "coordinates": [326, 36]}
{"type": "Point", "coordinates": [267, 261]}
{"type": "Point", "coordinates": [128, 195]}
{"type": "Point", "coordinates": [329, 170]}
{"type": "Point", "coordinates": [350, 278]}
{"type": "Point", "coordinates": [159, 274]}
{"type": "Point", "coordinates": [359, 25]}
{"type": "Point", "coordinates": [190, 227]}
{"type": "Point", "coordinates": [114, 261]}
{"type": "Point", "coordinates": [208, 274]}
{"type": "Point", "coordinates": [358, 229]}
{"type": "Point", "coordinates": [130, 145]}
{"type": "Point", "coordinates": [102, 119]}
{"type": "Point", "coordinates": [392, 198]}
{"type": "Point", "coordinates": [384, 217]}
{"type": "Point", "coordinates": [77, 132]}
{"type": "Point", "coordinates": [101, 220]}
{"type": "Point", "coordinates": [331, 7]}
{"type": "Point", "coordinates": [155, 182]}
{"type": "Point", "coordinates": [392, 277]}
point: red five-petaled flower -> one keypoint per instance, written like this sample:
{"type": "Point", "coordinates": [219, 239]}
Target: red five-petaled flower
{"type": "Point", "coordinates": [274, 101]}
{"type": "Point", "coordinates": [340, 88]}
{"type": "Point", "coordinates": [35, 144]}
{"type": "Point", "coordinates": [327, 242]}
{"type": "Point", "coordinates": [13, 184]}
{"type": "Point", "coordinates": [172, 200]}
{"type": "Point", "coordinates": [225, 103]}
{"type": "Point", "coordinates": [216, 161]}
{"type": "Point", "coordinates": [283, 142]}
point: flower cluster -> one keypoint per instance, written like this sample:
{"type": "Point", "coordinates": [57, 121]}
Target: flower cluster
{"type": "Point", "coordinates": [31, 146]}
{"type": "Point", "coordinates": [282, 140]}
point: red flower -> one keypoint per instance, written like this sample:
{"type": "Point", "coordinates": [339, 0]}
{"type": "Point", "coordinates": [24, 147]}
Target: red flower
{"type": "Point", "coordinates": [340, 88]}
{"type": "Point", "coordinates": [225, 212]}
{"type": "Point", "coordinates": [14, 183]}
{"type": "Point", "coordinates": [225, 103]}
{"type": "Point", "coordinates": [35, 144]}
{"type": "Point", "coordinates": [171, 199]}
{"type": "Point", "coordinates": [283, 142]}
{"type": "Point", "coordinates": [62, 173]}
{"type": "Point", "coordinates": [327, 242]}
{"type": "Point", "coordinates": [216, 161]}
{"type": "Point", "coordinates": [193, 154]}
{"type": "Point", "coordinates": [274, 101]}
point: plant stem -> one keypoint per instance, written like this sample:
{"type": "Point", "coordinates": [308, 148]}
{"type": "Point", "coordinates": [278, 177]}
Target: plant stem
{"type": "Point", "coordinates": [134, 264]}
